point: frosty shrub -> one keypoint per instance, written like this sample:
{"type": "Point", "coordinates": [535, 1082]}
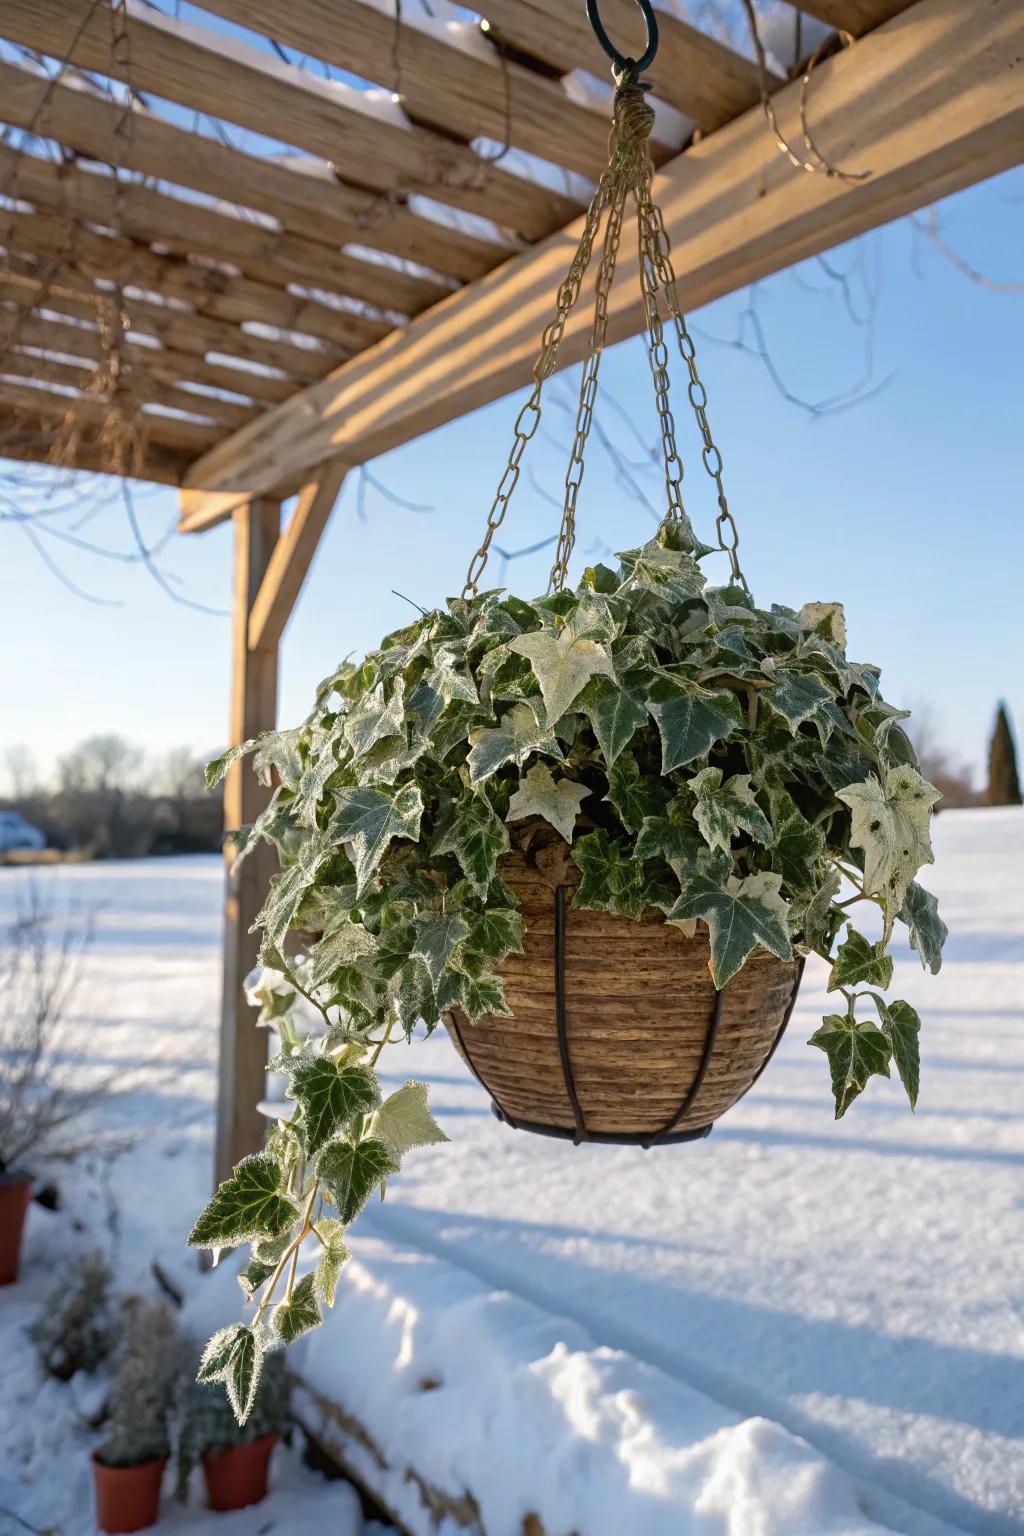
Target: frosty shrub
{"type": "Point", "coordinates": [74, 1330]}
{"type": "Point", "coordinates": [207, 1423]}
{"type": "Point", "coordinates": [41, 1103]}
{"type": "Point", "coordinates": [138, 1426]}
{"type": "Point", "coordinates": [723, 763]}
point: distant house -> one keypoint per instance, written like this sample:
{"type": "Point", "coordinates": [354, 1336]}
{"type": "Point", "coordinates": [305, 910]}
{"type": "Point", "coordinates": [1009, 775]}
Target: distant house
{"type": "Point", "coordinates": [16, 833]}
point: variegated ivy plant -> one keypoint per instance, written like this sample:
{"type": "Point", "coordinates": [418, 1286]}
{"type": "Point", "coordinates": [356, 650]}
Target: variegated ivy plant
{"type": "Point", "coordinates": [724, 763]}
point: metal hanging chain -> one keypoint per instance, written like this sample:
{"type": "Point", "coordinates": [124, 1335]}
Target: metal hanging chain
{"type": "Point", "coordinates": [629, 173]}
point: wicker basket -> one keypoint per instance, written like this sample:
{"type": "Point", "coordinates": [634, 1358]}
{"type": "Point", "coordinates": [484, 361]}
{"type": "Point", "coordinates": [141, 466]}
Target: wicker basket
{"type": "Point", "coordinates": [618, 1033]}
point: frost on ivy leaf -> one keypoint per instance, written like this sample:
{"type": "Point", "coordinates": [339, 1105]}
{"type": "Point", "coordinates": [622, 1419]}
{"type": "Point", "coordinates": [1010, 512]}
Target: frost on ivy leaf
{"type": "Point", "coordinates": [250, 1203]}
{"type": "Point", "coordinates": [563, 664]}
{"type": "Point", "coordinates": [371, 818]}
{"type": "Point", "coordinates": [512, 741]}
{"type": "Point", "coordinates": [558, 802]}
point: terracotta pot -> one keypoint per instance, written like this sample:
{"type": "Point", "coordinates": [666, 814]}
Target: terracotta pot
{"type": "Point", "coordinates": [127, 1498]}
{"type": "Point", "coordinates": [238, 1477]}
{"type": "Point", "coordinates": [15, 1189]}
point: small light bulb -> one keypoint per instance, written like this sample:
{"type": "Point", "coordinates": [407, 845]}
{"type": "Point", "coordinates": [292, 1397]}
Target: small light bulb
{"type": "Point", "coordinates": [485, 25]}
{"type": "Point", "coordinates": [396, 97]}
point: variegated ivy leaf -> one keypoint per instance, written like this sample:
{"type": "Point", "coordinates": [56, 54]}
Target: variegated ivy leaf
{"type": "Point", "coordinates": [797, 845]}
{"type": "Point", "coordinates": [673, 574]}
{"type": "Point", "coordinates": [890, 822]}
{"type": "Point", "coordinates": [691, 719]}
{"type": "Point", "coordinates": [404, 1121]}
{"type": "Point", "coordinates": [479, 996]}
{"type": "Point", "coordinates": [800, 696]}
{"type": "Point", "coordinates": [438, 936]}
{"type": "Point", "coordinates": [251, 1203]}
{"type": "Point", "coordinates": [928, 933]}
{"type": "Point", "coordinates": [298, 1314]}
{"type": "Point", "coordinates": [330, 1095]}
{"type": "Point", "coordinates": [815, 920]}
{"type": "Point", "coordinates": [860, 963]}
{"type": "Point", "coordinates": [477, 838]}
{"type": "Point", "coordinates": [371, 819]}
{"type": "Point", "coordinates": [616, 711]}
{"type": "Point", "coordinates": [740, 914]}
{"type": "Point", "coordinates": [635, 795]}
{"type": "Point", "coordinates": [726, 807]}
{"type": "Point", "coordinates": [288, 889]}
{"type": "Point", "coordinates": [856, 1051]}
{"type": "Point", "coordinates": [512, 741]}
{"type": "Point", "coordinates": [563, 664]}
{"type": "Point", "coordinates": [497, 932]}
{"type": "Point", "coordinates": [903, 1028]}
{"type": "Point", "coordinates": [340, 948]}
{"type": "Point", "coordinates": [376, 717]}
{"type": "Point", "coordinates": [351, 1170]}
{"type": "Point", "coordinates": [613, 879]}
{"type": "Point", "coordinates": [678, 844]}
{"type": "Point", "coordinates": [540, 795]}
{"type": "Point", "coordinates": [253, 1276]}
{"type": "Point", "coordinates": [827, 620]}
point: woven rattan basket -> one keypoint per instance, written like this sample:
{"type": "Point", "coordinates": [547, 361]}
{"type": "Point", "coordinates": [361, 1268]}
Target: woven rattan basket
{"type": "Point", "coordinates": [618, 1033]}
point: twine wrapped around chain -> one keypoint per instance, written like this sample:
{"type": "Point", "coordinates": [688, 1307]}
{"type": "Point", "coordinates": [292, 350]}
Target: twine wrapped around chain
{"type": "Point", "coordinates": [629, 173]}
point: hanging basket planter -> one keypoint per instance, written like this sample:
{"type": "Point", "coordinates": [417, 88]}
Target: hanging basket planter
{"type": "Point", "coordinates": [617, 1032]}
{"type": "Point", "coordinates": [595, 833]}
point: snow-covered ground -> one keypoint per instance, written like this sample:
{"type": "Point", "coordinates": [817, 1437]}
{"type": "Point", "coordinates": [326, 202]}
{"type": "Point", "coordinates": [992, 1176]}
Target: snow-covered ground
{"type": "Point", "coordinates": [675, 1318]}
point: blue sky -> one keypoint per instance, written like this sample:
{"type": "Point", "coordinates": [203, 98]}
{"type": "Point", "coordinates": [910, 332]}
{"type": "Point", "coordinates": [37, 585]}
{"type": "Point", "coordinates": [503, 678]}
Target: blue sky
{"type": "Point", "coordinates": [907, 507]}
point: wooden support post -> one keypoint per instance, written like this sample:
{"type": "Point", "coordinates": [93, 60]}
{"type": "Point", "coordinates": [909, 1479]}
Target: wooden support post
{"type": "Point", "coordinates": [243, 1057]}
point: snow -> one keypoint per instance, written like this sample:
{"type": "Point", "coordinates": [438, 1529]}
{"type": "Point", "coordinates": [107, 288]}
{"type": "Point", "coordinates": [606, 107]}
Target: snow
{"type": "Point", "coordinates": [793, 1327]}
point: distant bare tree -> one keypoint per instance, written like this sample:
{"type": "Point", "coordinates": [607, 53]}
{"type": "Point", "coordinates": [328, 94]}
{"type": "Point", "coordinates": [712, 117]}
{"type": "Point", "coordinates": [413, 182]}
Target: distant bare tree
{"type": "Point", "coordinates": [22, 773]}
{"type": "Point", "coordinates": [101, 764]}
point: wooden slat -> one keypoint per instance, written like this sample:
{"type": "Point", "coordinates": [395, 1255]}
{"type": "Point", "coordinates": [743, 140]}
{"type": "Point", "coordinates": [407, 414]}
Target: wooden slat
{"type": "Point", "coordinates": [77, 375]}
{"type": "Point", "coordinates": [82, 258]}
{"type": "Point", "coordinates": [185, 331]}
{"type": "Point", "coordinates": [146, 215]}
{"type": "Point", "coordinates": [243, 1048]}
{"type": "Point", "coordinates": [293, 556]}
{"type": "Point", "coordinates": [190, 66]}
{"type": "Point", "coordinates": [49, 408]}
{"type": "Point", "coordinates": [21, 443]}
{"type": "Point", "coordinates": [318, 210]}
{"type": "Point", "coordinates": [932, 102]}
{"type": "Point", "coordinates": [162, 364]}
{"type": "Point", "coordinates": [856, 16]}
{"type": "Point", "coordinates": [466, 91]}
{"type": "Point", "coordinates": [695, 73]}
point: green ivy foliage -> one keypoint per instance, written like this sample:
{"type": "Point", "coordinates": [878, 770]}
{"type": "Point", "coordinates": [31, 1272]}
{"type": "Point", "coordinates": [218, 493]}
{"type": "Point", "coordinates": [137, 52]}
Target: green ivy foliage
{"type": "Point", "coordinates": [724, 763]}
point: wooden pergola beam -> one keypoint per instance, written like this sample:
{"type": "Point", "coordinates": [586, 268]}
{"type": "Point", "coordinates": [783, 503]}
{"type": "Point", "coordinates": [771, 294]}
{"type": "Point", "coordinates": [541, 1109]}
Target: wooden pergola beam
{"type": "Point", "coordinates": [856, 16]}
{"type": "Point", "coordinates": [188, 64]}
{"type": "Point", "coordinates": [319, 208]}
{"type": "Point", "coordinates": [243, 1049]}
{"type": "Point", "coordinates": [931, 102]}
{"type": "Point", "coordinates": [465, 91]}
{"type": "Point", "coordinates": [292, 557]}
{"type": "Point", "coordinates": [695, 73]}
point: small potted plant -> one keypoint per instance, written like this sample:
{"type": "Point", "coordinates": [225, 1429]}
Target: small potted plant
{"type": "Point", "coordinates": [235, 1459]}
{"type": "Point", "coordinates": [74, 1330]}
{"type": "Point", "coordinates": [129, 1467]}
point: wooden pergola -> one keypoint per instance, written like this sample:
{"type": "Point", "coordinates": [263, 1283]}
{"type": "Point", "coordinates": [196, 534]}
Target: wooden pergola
{"type": "Point", "coordinates": [290, 318]}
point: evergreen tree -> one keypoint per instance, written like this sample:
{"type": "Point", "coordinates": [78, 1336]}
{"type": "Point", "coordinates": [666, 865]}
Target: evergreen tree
{"type": "Point", "coordinates": [1003, 779]}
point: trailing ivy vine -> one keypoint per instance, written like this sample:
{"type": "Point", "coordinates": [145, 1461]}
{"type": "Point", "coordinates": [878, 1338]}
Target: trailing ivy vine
{"type": "Point", "coordinates": [722, 762]}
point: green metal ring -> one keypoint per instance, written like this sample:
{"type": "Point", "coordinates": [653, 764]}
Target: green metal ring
{"type": "Point", "coordinates": [620, 63]}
